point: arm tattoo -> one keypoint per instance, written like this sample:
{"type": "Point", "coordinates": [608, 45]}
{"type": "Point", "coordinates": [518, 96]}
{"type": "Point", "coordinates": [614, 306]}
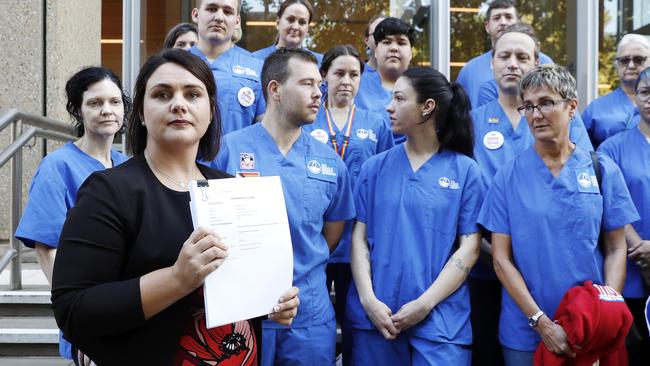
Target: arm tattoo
{"type": "Point", "coordinates": [458, 263]}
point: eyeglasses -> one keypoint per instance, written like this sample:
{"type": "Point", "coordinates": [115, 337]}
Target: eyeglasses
{"type": "Point", "coordinates": [643, 95]}
{"type": "Point", "coordinates": [544, 107]}
{"type": "Point", "coordinates": [638, 60]}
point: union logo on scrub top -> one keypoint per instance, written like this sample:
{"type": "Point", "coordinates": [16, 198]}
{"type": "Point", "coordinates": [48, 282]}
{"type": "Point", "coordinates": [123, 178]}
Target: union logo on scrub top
{"type": "Point", "coordinates": [314, 167]}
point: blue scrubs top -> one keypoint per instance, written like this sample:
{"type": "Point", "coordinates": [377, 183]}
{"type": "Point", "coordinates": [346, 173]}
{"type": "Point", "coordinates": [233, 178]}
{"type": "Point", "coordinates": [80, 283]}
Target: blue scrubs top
{"type": "Point", "coordinates": [239, 89]}
{"type": "Point", "coordinates": [479, 70]}
{"type": "Point", "coordinates": [488, 92]}
{"type": "Point", "coordinates": [608, 115]}
{"type": "Point", "coordinates": [316, 188]}
{"type": "Point", "coordinates": [263, 53]}
{"type": "Point", "coordinates": [553, 251]}
{"type": "Point", "coordinates": [413, 220]}
{"type": "Point", "coordinates": [630, 150]}
{"type": "Point", "coordinates": [491, 118]}
{"type": "Point", "coordinates": [369, 136]}
{"type": "Point", "coordinates": [52, 193]}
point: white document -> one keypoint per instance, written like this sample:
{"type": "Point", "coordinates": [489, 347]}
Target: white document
{"type": "Point", "coordinates": [251, 217]}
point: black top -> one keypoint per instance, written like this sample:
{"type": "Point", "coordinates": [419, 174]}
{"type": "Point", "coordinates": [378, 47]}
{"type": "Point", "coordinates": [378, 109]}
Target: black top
{"type": "Point", "coordinates": [125, 224]}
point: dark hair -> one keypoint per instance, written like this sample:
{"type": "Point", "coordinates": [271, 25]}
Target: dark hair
{"type": "Point", "coordinates": [137, 133]}
{"type": "Point", "coordinates": [453, 121]}
{"type": "Point", "coordinates": [523, 28]}
{"type": "Point", "coordinates": [393, 26]}
{"type": "Point", "coordinates": [643, 76]}
{"type": "Point", "coordinates": [77, 86]}
{"type": "Point", "coordinates": [177, 31]}
{"type": "Point", "coordinates": [288, 3]}
{"type": "Point", "coordinates": [276, 66]}
{"type": "Point", "coordinates": [500, 4]}
{"type": "Point", "coordinates": [366, 32]}
{"type": "Point", "coordinates": [336, 52]}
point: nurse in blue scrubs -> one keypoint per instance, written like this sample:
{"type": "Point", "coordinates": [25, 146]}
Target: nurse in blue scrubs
{"type": "Point", "coordinates": [292, 24]}
{"type": "Point", "coordinates": [617, 111]}
{"type": "Point", "coordinates": [393, 38]}
{"type": "Point", "coordinates": [415, 238]}
{"type": "Point", "coordinates": [546, 210]}
{"type": "Point", "coordinates": [356, 135]}
{"type": "Point", "coordinates": [236, 71]}
{"type": "Point", "coordinates": [317, 193]}
{"type": "Point", "coordinates": [97, 104]}
{"type": "Point", "coordinates": [630, 150]}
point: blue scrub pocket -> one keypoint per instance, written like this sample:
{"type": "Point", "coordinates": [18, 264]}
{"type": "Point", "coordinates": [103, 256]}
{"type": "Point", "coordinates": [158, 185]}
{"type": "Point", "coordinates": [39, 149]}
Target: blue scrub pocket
{"type": "Point", "coordinates": [439, 210]}
{"type": "Point", "coordinates": [587, 215]}
{"type": "Point", "coordinates": [316, 198]}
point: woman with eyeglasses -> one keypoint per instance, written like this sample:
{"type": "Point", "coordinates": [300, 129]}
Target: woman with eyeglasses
{"type": "Point", "coordinates": [617, 111]}
{"type": "Point", "coordinates": [630, 150]}
{"type": "Point", "coordinates": [546, 211]}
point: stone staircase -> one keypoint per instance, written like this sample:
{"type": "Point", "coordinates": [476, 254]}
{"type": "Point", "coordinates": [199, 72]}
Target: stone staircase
{"type": "Point", "coordinates": [28, 331]}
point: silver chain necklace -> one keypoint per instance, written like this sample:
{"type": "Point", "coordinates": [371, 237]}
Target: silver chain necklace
{"type": "Point", "coordinates": [182, 185]}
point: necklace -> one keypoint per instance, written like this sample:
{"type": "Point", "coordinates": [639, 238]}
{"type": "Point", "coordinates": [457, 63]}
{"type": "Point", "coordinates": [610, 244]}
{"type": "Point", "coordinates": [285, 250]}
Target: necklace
{"type": "Point", "coordinates": [182, 185]}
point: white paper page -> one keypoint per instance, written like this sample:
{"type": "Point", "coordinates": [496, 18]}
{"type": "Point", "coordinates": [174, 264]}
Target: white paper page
{"type": "Point", "coordinates": [250, 216]}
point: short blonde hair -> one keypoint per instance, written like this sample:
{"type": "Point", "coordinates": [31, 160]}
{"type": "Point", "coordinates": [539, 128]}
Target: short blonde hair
{"type": "Point", "coordinates": [554, 77]}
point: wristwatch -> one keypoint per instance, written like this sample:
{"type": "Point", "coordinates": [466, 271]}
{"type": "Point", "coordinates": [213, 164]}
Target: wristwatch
{"type": "Point", "coordinates": [533, 320]}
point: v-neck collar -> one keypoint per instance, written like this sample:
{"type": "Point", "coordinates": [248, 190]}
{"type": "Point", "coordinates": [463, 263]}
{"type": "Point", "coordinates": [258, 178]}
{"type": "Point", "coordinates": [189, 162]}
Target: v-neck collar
{"type": "Point", "coordinates": [299, 146]}
{"type": "Point", "coordinates": [422, 169]}
{"type": "Point", "coordinates": [539, 165]}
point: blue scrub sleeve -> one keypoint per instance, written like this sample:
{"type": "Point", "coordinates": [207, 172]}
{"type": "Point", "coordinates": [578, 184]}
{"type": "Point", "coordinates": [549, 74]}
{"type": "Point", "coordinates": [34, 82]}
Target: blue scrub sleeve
{"type": "Point", "coordinates": [385, 139]}
{"type": "Point", "coordinates": [360, 195]}
{"type": "Point", "coordinates": [87, 287]}
{"type": "Point", "coordinates": [341, 206]}
{"type": "Point", "coordinates": [494, 211]}
{"type": "Point", "coordinates": [260, 108]}
{"type": "Point", "coordinates": [618, 208]}
{"type": "Point", "coordinates": [470, 202]}
{"type": "Point", "coordinates": [46, 208]}
{"type": "Point", "coordinates": [609, 149]}
{"type": "Point", "coordinates": [221, 161]}
{"type": "Point", "coordinates": [578, 133]}
{"type": "Point", "coordinates": [586, 116]}
{"type": "Point", "coordinates": [487, 93]}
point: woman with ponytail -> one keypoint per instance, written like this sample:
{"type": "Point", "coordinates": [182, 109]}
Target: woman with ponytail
{"type": "Point", "coordinates": [415, 237]}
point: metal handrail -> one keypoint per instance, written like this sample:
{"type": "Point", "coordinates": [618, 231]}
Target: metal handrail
{"type": "Point", "coordinates": [40, 127]}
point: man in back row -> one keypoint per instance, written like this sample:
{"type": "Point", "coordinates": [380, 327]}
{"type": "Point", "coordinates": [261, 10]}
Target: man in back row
{"type": "Point", "coordinates": [236, 71]}
{"type": "Point", "coordinates": [500, 15]}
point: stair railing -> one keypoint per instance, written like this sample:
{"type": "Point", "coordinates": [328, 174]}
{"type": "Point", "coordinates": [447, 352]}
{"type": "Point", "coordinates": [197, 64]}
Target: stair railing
{"type": "Point", "coordinates": [39, 126]}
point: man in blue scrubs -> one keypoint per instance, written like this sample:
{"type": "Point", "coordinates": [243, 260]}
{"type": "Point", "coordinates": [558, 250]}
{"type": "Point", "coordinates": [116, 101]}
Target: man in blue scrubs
{"type": "Point", "coordinates": [500, 15]}
{"type": "Point", "coordinates": [500, 134]}
{"type": "Point", "coordinates": [317, 193]}
{"type": "Point", "coordinates": [237, 72]}
{"type": "Point", "coordinates": [615, 112]}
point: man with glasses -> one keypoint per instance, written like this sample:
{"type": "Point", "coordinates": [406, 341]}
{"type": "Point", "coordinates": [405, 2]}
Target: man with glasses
{"type": "Point", "coordinates": [500, 134]}
{"type": "Point", "coordinates": [617, 111]}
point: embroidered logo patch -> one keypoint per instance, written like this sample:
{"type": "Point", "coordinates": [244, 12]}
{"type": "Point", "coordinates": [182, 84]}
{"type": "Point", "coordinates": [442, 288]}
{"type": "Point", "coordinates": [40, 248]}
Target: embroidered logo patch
{"type": "Point", "coordinates": [587, 181]}
{"type": "Point", "coordinates": [445, 182]}
{"type": "Point", "coordinates": [321, 168]}
{"type": "Point", "coordinates": [246, 161]}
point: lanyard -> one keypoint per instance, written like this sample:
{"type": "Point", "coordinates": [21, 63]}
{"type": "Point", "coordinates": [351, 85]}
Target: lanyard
{"type": "Point", "coordinates": [346, 140]}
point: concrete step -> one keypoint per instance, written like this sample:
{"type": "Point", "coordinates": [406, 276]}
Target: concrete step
{"type": "Point", "coordinates": [35, 361]}
{"type": "Point", "coordinates": [28, 329]}
{"type": "Point", "coordinates": [33, 300]}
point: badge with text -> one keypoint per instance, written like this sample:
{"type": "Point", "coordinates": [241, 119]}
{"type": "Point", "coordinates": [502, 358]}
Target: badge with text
{"type": "Point", "coordinates": [246, 161]}
{"type": "Point", "coordinates": [321, 168]}
{"type": "Point", "coordinates": [246, 96]}
{"type": "Point", "coordinates": [320, 135]}
{"type": "Point", "coordinates": [587, 182]}
{"type": "Point", "coordinates": [493, 140]}
{"type": "Point", "coordinates": [237, 69]}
